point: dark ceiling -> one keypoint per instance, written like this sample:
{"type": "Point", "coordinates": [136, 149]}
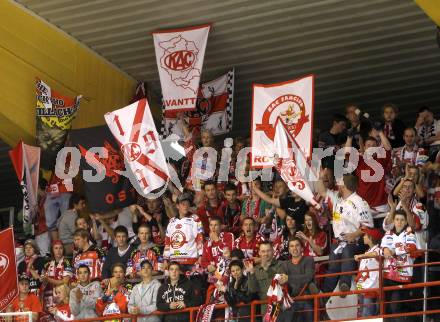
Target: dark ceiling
{"type": "Point", "coordinates": [368, 52]}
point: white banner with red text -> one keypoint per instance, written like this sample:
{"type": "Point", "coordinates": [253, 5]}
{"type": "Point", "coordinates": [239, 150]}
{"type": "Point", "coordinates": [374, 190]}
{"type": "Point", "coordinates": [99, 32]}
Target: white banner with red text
{"type": "Point", "coordinates": [134, 129]}
{"type": "Point", "coordinates": [293, 103]}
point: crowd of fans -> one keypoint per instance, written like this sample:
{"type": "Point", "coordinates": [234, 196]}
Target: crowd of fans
{"type": "Point", "coordinates": [228, 242]}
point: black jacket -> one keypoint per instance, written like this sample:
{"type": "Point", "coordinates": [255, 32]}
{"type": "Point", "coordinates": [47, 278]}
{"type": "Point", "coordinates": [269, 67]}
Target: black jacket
{"type": "Point", "coordinates": [167, 293]}
{"type": "Point", "coordinates": [241, 294]}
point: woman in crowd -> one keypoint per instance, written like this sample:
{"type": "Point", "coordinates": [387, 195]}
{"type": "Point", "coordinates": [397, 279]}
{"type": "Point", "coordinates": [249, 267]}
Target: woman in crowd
{"type": "Point", "coordinates": [32, 265]}
{"type": "Point", "coordinates": [61, 311]}
{"type": "Point", "coordinates": [312, 237]}
{"type": "Point", "coordinates": [237, 291]}
{"type": "Point", "coordinates": [281, 244]}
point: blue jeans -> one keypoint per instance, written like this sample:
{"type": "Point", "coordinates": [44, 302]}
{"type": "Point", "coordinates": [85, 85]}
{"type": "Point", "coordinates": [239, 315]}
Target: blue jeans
{"type": "Point", "coordinates": [369, 306]}
{"type": "Point", "coordinates": [296, 312]}
{"type": "Point", "coordinates": [53, 207]}
{"type": "Point", "coordinates": [348, 252]}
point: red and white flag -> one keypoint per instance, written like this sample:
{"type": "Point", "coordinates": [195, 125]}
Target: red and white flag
{"type": "Point", "coordinates": [179, 57]}
{"type": "Point", "coordinates": [292, 102]}
{"type": "Point", "coordinates": [8, 269]}
{"type": "Point", "coordinates": [26, 161]}
{"type": "Point", "coordinates": [134, 129]}
{"type": "Point", "coordinates": [214, 109]}
{"type": "Point", "coordinates": [293, 165]}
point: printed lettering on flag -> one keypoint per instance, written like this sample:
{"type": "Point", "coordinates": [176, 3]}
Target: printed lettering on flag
{"type": "Point", "coordinates": [134, 129]}
{"type": "Point", "coordinates": [55, 114]}
{"type": "Point", "coordinates": [179, 57]}
{"type": "Point", "coordinates": [214, 109]}
{"type": "Point", "coordinates": [292, 165]}
{"type": "Point", "coordinates": [26, 161]}
{"type": "Point", "coordinates": [292, 102]}
{"type": "Point", "coordinates": [8, 269]}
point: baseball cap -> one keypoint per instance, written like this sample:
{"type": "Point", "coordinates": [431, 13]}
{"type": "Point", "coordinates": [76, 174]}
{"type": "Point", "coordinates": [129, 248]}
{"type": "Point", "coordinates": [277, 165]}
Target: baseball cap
{"type": "Point", "coordinates": [23, 277]}
{"type": "Point", "coordinates": [375, 233]}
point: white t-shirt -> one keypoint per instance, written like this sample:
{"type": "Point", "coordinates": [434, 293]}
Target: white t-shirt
{"type": "Point", "coordinates": [349, 214]}
{"type": "Point", "coordinates": [367, 277]}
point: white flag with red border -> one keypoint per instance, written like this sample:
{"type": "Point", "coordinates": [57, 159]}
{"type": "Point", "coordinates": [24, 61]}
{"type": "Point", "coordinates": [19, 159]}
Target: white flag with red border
{"type": "Point", "coordinates": [292, 102]}
{"type": "Point", "coordinates": [214, 109]}
{"type": "Point", "coordinates": [179, 57]}
{"type": "Point", "coordinates": [26, 161]}
{"type": "Point", "coordinates": [134, 129]}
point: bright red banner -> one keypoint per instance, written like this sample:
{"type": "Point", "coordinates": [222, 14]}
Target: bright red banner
{"type": "Point", "coordinates": [8, 269]}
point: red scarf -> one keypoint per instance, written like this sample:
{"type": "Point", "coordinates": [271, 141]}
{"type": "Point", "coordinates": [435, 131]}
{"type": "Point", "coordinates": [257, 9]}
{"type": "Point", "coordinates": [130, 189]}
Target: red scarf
{"type": "Point", "coordinates": [256, 212]}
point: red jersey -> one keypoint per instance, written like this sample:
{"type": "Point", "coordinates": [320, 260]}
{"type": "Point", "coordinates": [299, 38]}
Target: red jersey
{"type": "Point", "coordinates": [249, 248]}
{"type": "Point", "coordinates": [92, 258]}
{"type": "Point", "coordinates": [213, 250]}
{"type": "Point", "coordinates": [373, 192]}
{"type": "Point", "coordinates": [57, 185]}
{"type": "Point", "coordinates": [63, 313]}
{"type": "Point", "coordinates": [152, 254]}
{"type": "Point", "coordinates": [31, 303]}
{"type": "Point", "coordinates": [113, 303]}
{"type": "Point", "coordinates": [320, 240]}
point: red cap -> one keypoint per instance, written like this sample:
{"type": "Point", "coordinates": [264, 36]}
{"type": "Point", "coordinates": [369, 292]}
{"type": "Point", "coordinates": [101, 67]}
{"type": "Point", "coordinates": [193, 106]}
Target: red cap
{"type": "Point", "coordinates": [374, 233]}
{"type": "Point", "coordinates": [57, 242]}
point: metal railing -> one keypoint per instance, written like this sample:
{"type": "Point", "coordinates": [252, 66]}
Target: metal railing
{"type": "Point", "coordinates": [316, 299]}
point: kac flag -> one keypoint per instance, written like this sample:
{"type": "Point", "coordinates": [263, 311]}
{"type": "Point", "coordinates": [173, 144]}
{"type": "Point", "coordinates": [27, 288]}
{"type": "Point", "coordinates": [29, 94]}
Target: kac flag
{"type": "Point", "coordinates": [292, 102]}
{"type": "Point", "coordinates": [8, 269]}
{"type": "Point", "coordinates": [26, 161]}
{"type": "Point", "coordinates": [214, 110]}
{"type": "Point", "coordinates": [179, 57]}
{"type": "Point", "coordinates": [134, 129]}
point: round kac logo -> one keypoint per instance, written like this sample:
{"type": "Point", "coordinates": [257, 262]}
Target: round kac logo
{"type": "Point", "coordinates": [178, 239]}
{"type": "Point", "coordinates": [179, 60]}
{"type": "Point", "coordinates": [131, 151]}
{"type": "Point", "coordinates": [290, 109]}
{"type": "Point", "coordinates": [4, 263]}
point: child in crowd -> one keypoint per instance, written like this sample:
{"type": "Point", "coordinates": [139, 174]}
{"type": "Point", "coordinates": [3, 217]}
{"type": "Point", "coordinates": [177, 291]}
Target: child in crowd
{"type": "Point", "coordinates": [368, 275]}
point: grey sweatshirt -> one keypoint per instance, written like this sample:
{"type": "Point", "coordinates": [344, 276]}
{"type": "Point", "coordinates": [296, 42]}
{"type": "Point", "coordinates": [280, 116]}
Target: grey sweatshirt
{"type": "Point", "coordinates": [299, 275]}
{"type": "Point", "coordinates": [144, 297]}
{"type": "Point", "coordinates": [86, 308]}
